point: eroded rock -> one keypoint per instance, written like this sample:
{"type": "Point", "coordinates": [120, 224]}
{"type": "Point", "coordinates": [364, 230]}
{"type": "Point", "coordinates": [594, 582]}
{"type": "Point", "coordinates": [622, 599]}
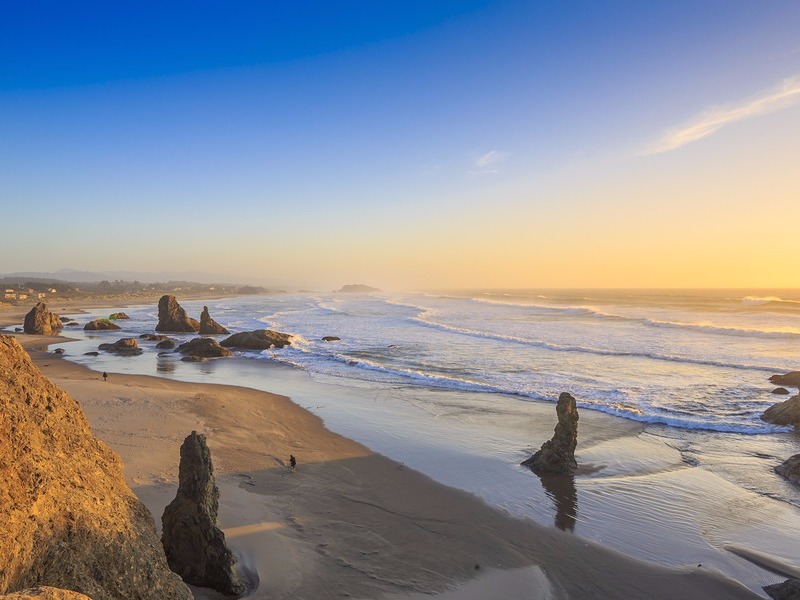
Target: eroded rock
{"type": "Point", "coordinates": [788, 590]}
{"type": "Point", "coordinates": [40, 321]}
{"type": "Point", "coordinates": [260, 339]}
{"type": "Point", "coordinates": [194, 544]}
{"type": "Point", "coordinates": [166, 344]}
{"type": "Point", "coordinates": [784, 413]}
{"type": "Point", "coordinates": [172, 317]}
{"type": "Point", "coordinates": [790, 469]}
{"type": "Point", "coordinates": [209, 325]}
{"type": "Point", "coordinates": [557, 455]}
{"type": "Point", "coordinates": [203, 348]}
{"type": "Point", "coordinates": [101, 325]}
{"type": "Point", "coordinates": [118, 315]}
{"type": "Point", "coordinates": [44, 593]}
{"type": "Point", "coordinates": [68, 519]}
{"type": "Point", "coordinates": [331, 338]}
{"type": "Point", "coordinates": [781, 391]}
{"type": "Point", "coordinates": [123, 347]}
{"type": "Point", "coordinates": [792, 379]}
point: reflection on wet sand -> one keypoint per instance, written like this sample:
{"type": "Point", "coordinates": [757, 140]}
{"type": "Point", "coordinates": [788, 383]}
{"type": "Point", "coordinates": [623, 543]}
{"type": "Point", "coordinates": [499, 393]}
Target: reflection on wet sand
{"type": "Point", "coordinates": [561, 489]}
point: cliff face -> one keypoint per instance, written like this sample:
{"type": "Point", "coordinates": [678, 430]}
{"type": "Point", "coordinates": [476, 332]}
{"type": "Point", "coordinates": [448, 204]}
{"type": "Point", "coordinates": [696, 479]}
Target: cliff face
{"type": "Point", "coordinates": [68, 519]}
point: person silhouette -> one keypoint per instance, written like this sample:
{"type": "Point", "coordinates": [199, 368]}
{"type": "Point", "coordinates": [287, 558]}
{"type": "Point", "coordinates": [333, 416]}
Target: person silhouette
{"type": "Point", "coordinates": [105, 376]}
{"type": "Point", "coordinates": [292, 463]}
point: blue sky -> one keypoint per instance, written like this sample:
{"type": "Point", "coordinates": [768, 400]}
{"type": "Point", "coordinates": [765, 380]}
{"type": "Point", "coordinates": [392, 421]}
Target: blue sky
{"type": "Point", "coordinates": [320, 141]}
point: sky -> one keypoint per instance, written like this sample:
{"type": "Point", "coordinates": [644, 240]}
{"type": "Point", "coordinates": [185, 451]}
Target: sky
{"type": "Point", "coordinates": [409, 145]}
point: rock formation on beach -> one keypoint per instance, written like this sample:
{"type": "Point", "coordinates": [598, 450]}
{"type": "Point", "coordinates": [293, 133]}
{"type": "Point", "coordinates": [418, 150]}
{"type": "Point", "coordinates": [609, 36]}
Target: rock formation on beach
{"type": "Point", "coordinates": [118, 315]}
{"type": "Point", "coordinates": [209, 325]}
{"type": "Point", "coordinates": [557, 455]}
{"type": "Point", "coordinates": [781, 391]}
{"type": "Point", "coordinates": [788, 590]}
{"type": "Point", "coordinates": [123, 347]}
{"type": "Point", "coordinates": [68, 519]}
{"type": "Point", "coordinates": [153, 337]}
{"type": "Point", "coordinates": [172, 317]}
{"type": "Point", "coordinates": [165, 344]}
{"type": "Point", "coordinates": [203, 348]}
{"type": "Point", "coordinates": [194, 544]}
{"type": "Point", "coordinates": [784, 413]}
{"type": "Point", "coordinates": [791, 379]}
{"type": "Point", "coordinates": [790, 469]}
{"type": "Point", "coordinates": [101, 325]}
{"type": "Point", "coordinates": [331, 338]}
{"type": "Point", "coordinates": [41, 321]}
{"type": "Point", "coordinates": [261, 339]}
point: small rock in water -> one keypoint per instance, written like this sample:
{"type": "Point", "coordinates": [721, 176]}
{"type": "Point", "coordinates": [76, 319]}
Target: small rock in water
{"type": "Point", "coordinates": [557, 455]}
{"type": "Point", "coordinates": [781, 391]}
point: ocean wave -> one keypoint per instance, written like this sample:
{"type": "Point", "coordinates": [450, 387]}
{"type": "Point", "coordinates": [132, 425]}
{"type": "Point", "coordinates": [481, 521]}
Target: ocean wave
{"type": "Point", "coordinates": [762, 300]}
{"type": "Point", "coordinates": [362, 366]}
{"type": "Point", "coordinates": [425, 320]}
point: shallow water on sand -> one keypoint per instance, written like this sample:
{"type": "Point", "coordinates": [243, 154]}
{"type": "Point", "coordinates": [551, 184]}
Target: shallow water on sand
{"type": "Point", "coordinates": [674, 495]}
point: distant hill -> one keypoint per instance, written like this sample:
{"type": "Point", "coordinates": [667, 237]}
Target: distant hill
{"type": "Point", "coordinates": [356, 288]}
{"type": "Point", "coordinates": [77, 276]}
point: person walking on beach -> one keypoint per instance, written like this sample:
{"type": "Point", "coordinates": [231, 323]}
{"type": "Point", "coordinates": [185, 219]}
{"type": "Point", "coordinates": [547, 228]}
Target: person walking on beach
{"type": "Point", "coordinates": [105, 376]}
{"type": "Point", "coordinates": [292, 463]}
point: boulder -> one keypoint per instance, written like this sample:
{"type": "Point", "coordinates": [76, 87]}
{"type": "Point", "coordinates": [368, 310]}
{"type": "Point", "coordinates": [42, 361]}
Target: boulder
{"type": "Point", "coordinates": [165, 344]}
{"type": "Point", "coordinates": [193, 359]}
{"type": "Point", "coordinates": [331, 338]}
{"type": "Point", "coordinates": [790, 469]}
{"type": "Point", "coordinates": [40, 321]}
{"type": "Point", "coordinates": [118, 315]}
{"type": "Point", "coordinates": [59, 350]}
{"type": "Point", "coordinates": [260, 339]}
{"type": "Point", "coordinates": [92, 353]}
{"type": "Point", "coordinates": [781, 391]}
{"type": "Point", "coordinates": [194, 544]}
{"type": "Point", "coordinates": [791, 379]}
{"type": "Point", "coordinates": [784, 413]}
{"type": "Point", "coordinates": [123, 347]}
{"type": "Point", "coordinates": [203, 348]}
{"type": "Point", "coordinates": [557, 455]}
{"type": "Point", "coordinates": [101, 325]}
{"type": "Point", "coordinates": [172, 317]}
{"type": "Point", "coordinates": [209, 325]}
{"type": "Point", "coordinates": [68, 519]}
{"type": "Point", "coordinates": [153, 337]}
{"type": "Point", "coordinates": [788, 590]}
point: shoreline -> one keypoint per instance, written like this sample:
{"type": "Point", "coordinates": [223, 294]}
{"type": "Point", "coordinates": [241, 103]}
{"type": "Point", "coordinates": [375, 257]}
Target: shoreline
{"type": "Point", "coordinates": [355, 519]}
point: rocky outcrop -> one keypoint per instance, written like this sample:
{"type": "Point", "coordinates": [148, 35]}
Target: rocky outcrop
{"type": "Point", "coordinates": [153, 337]}
{"type": "Point", "coordinates": [557, 455]}
{"type": "Point", "coordinates": [790, 469]}
{"type": "Point", "coordinates": [331, 338]}
{"type": "Point", "coordinates": [203, 348]}
{"type": "Point", "coordinates": [194, 544]}
{"type": "Point", "coordinates": [118, 315]}
{"type": "Point", "coordinates": [44, 593]}
{"type": "Point", "coordinates": [172, 317]}
{"type": "Point", "coordinates": [209, 325]}
{"type": "Point", "coordinates": [68, 519]}
{"type": "Point", "coordinates": [260, 339]}
{"type": "Point", "coordinates": [40, 321]}
{"type": "Point", "coordinates": [788, 590]}
{"type": "Point", "coordinates": [165, 344]}
{"type": "Point", "coordinates": [356, 288]}
{"type": "Point", "coordinates": [101, 325]}
{"type": "Point", "coordinates": [784, 413]}
{"type": "Point", "coordinates": [781, 391]}
{"type": "Point", "coordinates": [123, 347]}
{"type": "Point", "coordinates": [791, 379]}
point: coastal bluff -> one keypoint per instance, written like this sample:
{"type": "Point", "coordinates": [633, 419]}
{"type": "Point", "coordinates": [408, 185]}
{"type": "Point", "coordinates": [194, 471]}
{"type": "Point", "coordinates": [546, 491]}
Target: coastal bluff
{"type": "Point", "coordinates": [69, 521]}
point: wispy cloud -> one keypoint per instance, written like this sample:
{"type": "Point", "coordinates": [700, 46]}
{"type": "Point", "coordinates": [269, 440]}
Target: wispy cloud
{"type": "Point", "coordinates": [716, 118]}
{"type": "Point", "coordinates": [487, 163]}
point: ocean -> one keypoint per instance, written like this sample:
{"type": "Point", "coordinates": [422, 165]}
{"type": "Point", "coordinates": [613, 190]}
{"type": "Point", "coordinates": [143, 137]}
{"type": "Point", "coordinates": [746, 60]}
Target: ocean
{"type": "Point", "coordinates": [454, 383]}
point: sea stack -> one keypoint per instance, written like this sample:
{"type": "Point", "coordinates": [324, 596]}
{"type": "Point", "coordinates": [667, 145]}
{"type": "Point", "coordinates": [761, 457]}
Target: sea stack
{"type": "Point", "coordinates": [41, 321]}
{"type": "Point", "coordinates": [260, 339]}
{"type": "Point", "coordinates": [68, 519]}
{"type": "Point", "coordinates": [558, 454]}
{"type": "Point", "coordinates": [172, 317]}
{"type": "Point", "coordinates": [209, 325]}
{"type": "Point", "coordinates": [194, 544]}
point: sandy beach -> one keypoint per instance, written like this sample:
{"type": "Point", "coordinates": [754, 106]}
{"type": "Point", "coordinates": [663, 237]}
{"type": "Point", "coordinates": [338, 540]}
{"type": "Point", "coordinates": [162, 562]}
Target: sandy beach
{"type": "Point", "coordinates": [349, 522]}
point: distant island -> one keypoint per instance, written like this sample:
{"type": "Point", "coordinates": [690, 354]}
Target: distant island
{"type": "Point", "coordinates": [356, 288]}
